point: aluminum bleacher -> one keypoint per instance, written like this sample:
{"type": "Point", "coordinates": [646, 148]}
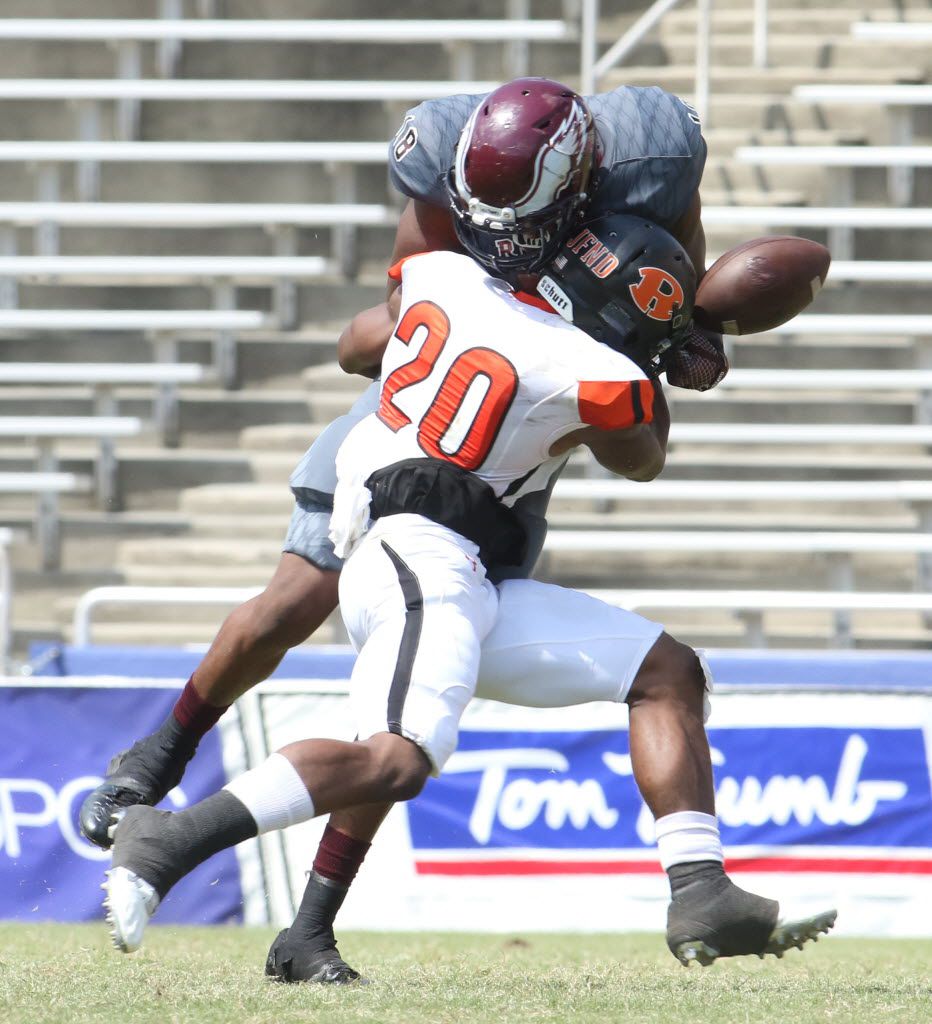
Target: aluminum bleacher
{"type": "Point", "coordinates": [161, 327]}
{"type": "Point", "coordinates": [459, 37]}
{"type": "Point", "coordinates": [47, 483]}
{"type": "Point", "coordinates": [239, 183]}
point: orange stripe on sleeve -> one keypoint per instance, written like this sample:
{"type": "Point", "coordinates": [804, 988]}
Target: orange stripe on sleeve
{"type": "Point", "coordinates": [394, 271]}
{"type": "Point", "coordinates": [616, 405]}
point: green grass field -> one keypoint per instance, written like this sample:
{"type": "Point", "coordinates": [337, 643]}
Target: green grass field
{"type": "Point", "coordinates": [60, 974]}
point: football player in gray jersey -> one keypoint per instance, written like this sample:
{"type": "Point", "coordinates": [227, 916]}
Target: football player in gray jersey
{"type": "Point", "coordinates": [505, 178]}
{"type": "Point", "coordinates": [641, 152]}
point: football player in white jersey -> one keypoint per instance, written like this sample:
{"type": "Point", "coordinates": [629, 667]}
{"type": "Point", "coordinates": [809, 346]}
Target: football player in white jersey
{"type": "Point", "coordinates": [633, 150]}
{"type": "Point", "coordinates": [481, 386]}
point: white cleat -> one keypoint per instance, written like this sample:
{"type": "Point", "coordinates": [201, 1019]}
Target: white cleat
{"type": "Point", "coordinates": [788, 934]}
{"type": "Point", "coordinates": [130, 903]}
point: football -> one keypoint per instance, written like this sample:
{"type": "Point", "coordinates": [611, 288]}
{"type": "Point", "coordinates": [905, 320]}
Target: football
{"type": "Point", "coordinates": [761, 284]}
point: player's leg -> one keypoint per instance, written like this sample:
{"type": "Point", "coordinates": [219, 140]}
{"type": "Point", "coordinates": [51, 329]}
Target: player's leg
{"type": "Point", "coordinates": [427, 609]}
{"type": "Point", "coordinates": [307, 949]}
{"type": "Point", "coordinates": [709, 916]}
{"type": "Point", "coordinates": [526, 660]}
{"type": "Point", "coordinates": [153, 849]}
{"type": "Point", "coordinates": [250, 644]}
{"type": "Point", "coordinates": [553, 647]}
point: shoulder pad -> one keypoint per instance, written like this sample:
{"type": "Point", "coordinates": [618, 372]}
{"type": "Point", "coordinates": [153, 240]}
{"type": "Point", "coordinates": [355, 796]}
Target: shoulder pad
{"type": "Point", "coordinates": [652, 154]}
{"type": "Point", "coordinates": [422, 151]}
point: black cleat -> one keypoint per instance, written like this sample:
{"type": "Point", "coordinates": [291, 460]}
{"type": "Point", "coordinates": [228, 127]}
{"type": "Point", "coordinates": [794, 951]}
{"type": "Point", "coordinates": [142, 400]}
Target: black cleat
{"type": "Point", "coordinates": [710, 917]}
{"type": "Point", "coordinates": [113, 795]}
{"type": "Point", "coordinates": [295, 962]}
{"type": "Point", "coordinates": [144, 774]}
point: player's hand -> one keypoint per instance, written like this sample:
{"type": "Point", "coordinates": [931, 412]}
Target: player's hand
{"type": "Point", "coordinates": [700, 363]}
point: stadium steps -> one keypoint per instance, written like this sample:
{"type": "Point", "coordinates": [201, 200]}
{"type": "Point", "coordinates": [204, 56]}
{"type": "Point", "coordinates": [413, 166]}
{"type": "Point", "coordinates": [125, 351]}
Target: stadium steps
{"type": "Point", "coordinates": [819, 16]}
{"type": "Point", "coordinates": [776, 515]}
{"type": "Point", "coordinates": [205, 410]}
{"type": "Point", "coordinates": [835, 51]}
{"type": "Point", "coordinates": [235, 500]}
{"type": "Point", "coordinates": [681, 78]}
{"type": "Point", "coordinates": [764, 351]}
{"type": "Point", "coordinates": [771, 109]}
{"type": "Point", "coordinates": [816, 182]}
{"type": "Point", "coordinates": [815, 22]}
{"type": "Point", "coordinates": [722, 142]}
{"type": "Point", "coordinates": [269, 523]}
{"type": "Point", "coordinates": [714, 569]}
{"type": "Point", "coordinates": [283, 437]}
{"type": "Point", "coordinates": [179, 630]}
{"type": "Point", "coordinates": [227, 503]}
{"type": "Point", "coordinates": [824, 464]}
{"type": "Point", "coordinates": [189, 562]}
{"type": "Point", "coordinates": [718, 195]}
{"type": "Point", "coordinates": [598, 572]}
{"type": "Point", "coordinates": [709, 630]}
{"type": "Point", "coordinates": [791, 10]}
{"type": "Point", "coordinates": [255, 435]}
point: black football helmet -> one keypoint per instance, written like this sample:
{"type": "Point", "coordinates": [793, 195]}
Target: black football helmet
{"type": "Point", "coordinates": [625, 282]}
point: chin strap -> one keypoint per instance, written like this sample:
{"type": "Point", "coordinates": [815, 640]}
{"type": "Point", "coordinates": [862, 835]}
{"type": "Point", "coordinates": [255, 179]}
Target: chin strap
{"type": "Point", "coordinates": [700, 363]}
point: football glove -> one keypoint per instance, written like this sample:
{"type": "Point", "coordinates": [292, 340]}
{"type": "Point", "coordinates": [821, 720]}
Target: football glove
{"type": "Point", "coordinates": [700, 363]}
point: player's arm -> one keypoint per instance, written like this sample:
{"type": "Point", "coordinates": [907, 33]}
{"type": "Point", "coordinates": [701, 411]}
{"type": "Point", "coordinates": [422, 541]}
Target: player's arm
{"type": "Point", "coordinates": [422, 227]}
{"type": "Point", "coordinates": [638, 453]}
{"type": "Point", "coordinates": [690, 233]}
{"type": "Point", "coordinates": [637, 450]}
{"type": "Point", "coordinates": [701, 363]}
{"type": "Point", "coordinates": [362, 343]}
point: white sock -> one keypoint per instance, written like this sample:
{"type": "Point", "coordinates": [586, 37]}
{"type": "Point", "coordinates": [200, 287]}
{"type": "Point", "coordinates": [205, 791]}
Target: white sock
{"type": "Point", "coordinates": [688, 836]}
{"type": "Point", "coordinates": [274, 794]}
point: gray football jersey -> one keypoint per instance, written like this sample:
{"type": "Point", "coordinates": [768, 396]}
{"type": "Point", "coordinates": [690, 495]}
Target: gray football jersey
{"type": "Point", "coordinates": [651, 151]}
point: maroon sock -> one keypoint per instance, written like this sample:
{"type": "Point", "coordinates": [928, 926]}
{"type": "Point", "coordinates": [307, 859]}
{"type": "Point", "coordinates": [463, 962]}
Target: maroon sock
{"type": "Point", "coordinates": [339, 856]}
{"type": "Point", "coordinates": [193, 713]}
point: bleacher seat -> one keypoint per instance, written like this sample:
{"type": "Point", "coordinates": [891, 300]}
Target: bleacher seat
{"type": "Point", "coordinates": [304, 157]}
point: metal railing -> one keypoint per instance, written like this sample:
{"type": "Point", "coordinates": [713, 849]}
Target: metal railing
{"type": "Point", "coordinates": [593, 67]}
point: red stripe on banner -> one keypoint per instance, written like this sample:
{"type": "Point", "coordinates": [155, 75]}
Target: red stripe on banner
{"type": "Point", "coordinates": [814, 865]}
{"type": "Point", "coordinates": [537, 867]}
{"type": "Point", "coordinates": [835, 865]}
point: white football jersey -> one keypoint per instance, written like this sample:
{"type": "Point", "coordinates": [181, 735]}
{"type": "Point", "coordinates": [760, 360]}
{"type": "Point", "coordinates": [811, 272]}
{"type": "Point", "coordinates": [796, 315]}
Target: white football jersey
{"type": "Point", "coordinates": [483, 377]}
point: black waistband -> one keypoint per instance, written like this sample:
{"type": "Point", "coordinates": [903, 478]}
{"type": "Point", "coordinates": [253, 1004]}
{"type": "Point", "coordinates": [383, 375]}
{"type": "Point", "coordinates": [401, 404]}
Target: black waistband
{"type": "Point", "coordinates": [452, 497]}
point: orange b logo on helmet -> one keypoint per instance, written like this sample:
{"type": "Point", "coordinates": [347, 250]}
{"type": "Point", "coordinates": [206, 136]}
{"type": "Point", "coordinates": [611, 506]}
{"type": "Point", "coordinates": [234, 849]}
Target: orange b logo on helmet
{"type": "Point", "coordinates": [657, 294]}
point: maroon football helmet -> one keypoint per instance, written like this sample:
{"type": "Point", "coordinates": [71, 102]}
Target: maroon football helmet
{"type": "Point", "coordinates": [518, 183]}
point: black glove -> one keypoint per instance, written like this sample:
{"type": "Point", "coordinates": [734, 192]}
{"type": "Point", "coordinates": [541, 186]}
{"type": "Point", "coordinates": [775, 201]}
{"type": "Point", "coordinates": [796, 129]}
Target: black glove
{"type": "Point", "coordinates": [700, 363]}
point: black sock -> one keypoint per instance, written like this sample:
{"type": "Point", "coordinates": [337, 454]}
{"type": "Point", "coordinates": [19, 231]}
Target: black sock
{"type": "Point", "coordinates": [708, 906]}
{"type": "Point", "coordinates": [320, 904]}
{"type": "Point", "coordinates": [685, 876]}
{"type": "Point", "coordinates": [162, 846]}
{"type": "Point", "coordinates": [159, 760]}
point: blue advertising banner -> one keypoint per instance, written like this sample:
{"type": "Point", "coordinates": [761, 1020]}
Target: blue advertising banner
{"type": "Point", "coordinates": [823, 772]}
{"type": "Point", "coordinates": [829, 799]}
{"type": "Point", "coordinates": [58, 740]}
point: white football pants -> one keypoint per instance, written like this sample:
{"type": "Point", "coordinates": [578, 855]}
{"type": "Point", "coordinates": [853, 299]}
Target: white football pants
{"type": "Point", "coordinates": [432, 632]}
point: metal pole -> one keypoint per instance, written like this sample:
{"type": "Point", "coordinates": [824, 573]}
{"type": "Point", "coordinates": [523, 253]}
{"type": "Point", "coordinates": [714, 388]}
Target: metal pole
{"type": "Point", "coordinates": [760, 33]}
{"type": "Point", "coordinates": [589, 22]}
{"type": "Point", "coordinates": [618, 51]}
{"type": "Point", "coordinates": [703, 42]}
{"type": "Point", "coordinates": [518, 50]}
